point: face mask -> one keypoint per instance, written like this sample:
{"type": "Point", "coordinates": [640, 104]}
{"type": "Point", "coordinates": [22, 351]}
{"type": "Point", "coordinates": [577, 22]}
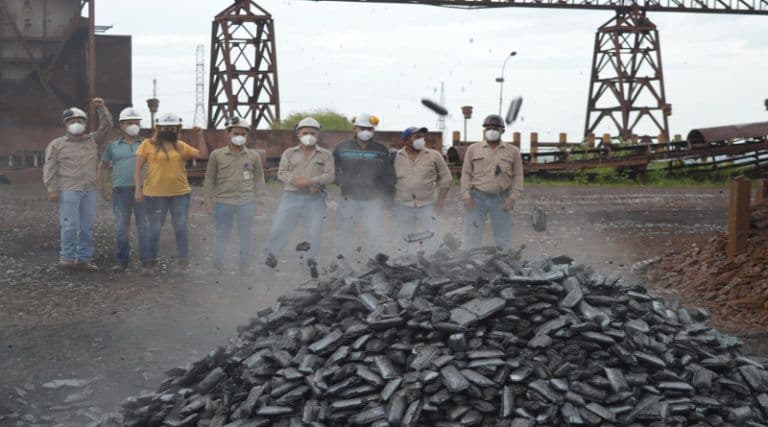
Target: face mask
{"type": "Point", "coordinates": [76, 128]}
{"type": "Point", "coordinates": [419, 144]}
{"type": "Point", "coordinates": [132, 130]}
{"type": "Point", "coordinates": [308, 139]}
{"type": "Point", "coordinates": [238, 140]}
{"type": "Point", "coordinates": [168, 135]}
{"type": "Point", "coordinates": [492, 135]}
{"type": "Point", "coordinates": [365, 135]}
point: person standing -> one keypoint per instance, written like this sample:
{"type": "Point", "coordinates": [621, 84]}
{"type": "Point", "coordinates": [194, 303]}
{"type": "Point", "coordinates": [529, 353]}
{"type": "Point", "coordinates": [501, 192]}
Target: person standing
{"type": "Point", "coordinates": [234, 180]}
{"type": "Point", "coordinates": [491, 183]}
{"type": "Point", "coordinates": [120, 155]}
{"type": "Point", "coordinates": [166, 187]}
{"type": "Point", "coordinates": [305, 170]}
{"type": "Point", "coordinates": [422, 182]}
{"type": "Point", "coordinates": [365, 173]}
{"type": "Point", "coordinates": [69, 174]}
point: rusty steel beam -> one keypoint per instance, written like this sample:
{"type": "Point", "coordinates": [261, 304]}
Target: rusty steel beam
{"type": "Point", "coordinates": [728, 133]}
{"type": "Point", "coordinates": [740, 7]}
{"type": "Point", "coordinates": [243, 76]}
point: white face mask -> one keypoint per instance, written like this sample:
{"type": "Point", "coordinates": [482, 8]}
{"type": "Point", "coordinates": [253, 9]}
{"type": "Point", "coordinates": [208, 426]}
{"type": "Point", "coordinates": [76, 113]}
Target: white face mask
{"type": "Point", "coordinates": [132, 130]}
{"type": "Point", "coordinates": [308, 139]}
{"type": "Point", "coordinates": [76, 128]}
{"type": "Point", "coordinates": [419, 144]}
{"type": "Point", "coordinates": [238, 140]}
{"type": "Point", "coordinates": [492, 135]}
{"type": "Point", "coordinates": [365, 135]}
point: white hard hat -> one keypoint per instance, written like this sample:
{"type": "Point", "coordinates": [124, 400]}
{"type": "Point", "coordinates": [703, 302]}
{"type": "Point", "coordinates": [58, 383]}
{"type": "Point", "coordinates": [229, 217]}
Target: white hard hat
{"type": "Point", "coordinates": [366, 120]}
{"type": "Point", "coordinates": [72, 113]}
{"type": "Point", "coordinates": [237, 122]}
{"type": "Point", "coordinates": [308, 122]}
{"type": "Point", "coordinates": [168, 119]}
{"type": "Point", "coordinates": [129, 113]}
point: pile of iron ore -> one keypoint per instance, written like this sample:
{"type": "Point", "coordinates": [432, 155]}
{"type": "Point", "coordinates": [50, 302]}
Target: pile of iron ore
{"type": "Point", "coordinates": [462, 339]}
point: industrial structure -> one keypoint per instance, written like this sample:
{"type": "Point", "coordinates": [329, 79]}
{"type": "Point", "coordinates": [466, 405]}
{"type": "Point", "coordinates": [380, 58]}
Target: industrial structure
{"type": "Point", "coordinates": [243, 78]}
{"type": "Point", "coordinates": [626, 88]}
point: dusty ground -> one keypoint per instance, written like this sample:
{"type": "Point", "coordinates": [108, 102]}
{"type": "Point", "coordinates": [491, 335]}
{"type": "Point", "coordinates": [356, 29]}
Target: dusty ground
{"type": "Point", "coordinates": [120, 332]}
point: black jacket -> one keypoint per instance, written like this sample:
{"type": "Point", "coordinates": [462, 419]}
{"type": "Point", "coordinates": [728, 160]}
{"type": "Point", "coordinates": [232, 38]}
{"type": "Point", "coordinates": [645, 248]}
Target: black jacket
{"type": "Point", "coordinates": [364, 173]}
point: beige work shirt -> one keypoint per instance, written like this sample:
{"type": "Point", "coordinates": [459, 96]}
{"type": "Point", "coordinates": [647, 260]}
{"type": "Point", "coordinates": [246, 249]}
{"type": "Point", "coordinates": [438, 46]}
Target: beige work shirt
{"type": "Point", "coordinates": [493, 171]}
{"type": "Point", "coordinates": [417, 181]}
{"type": "Point", "coordinates": [233, 178]}
{"type": "Point", "coordinates": [71, 163]}
{"type": "Point", "coordinates": [318, 167]}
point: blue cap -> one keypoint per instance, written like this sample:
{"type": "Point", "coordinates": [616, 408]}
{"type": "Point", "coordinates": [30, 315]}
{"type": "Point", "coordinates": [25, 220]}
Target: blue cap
{"type": "Point", "coordinates": [413, 129]}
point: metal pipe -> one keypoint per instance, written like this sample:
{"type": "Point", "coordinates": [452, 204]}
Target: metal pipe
{"type": "Point", "coordinates": [92, 63]}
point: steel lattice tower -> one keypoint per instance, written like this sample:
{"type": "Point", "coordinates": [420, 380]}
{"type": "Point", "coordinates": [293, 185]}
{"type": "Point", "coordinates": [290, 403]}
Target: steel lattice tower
{"type": "Point", "coordinates": [243, 77]}
{"type": "Point", "coordinates": [627, 84]}
{"type": "Point", "coordinates": [199, 119]}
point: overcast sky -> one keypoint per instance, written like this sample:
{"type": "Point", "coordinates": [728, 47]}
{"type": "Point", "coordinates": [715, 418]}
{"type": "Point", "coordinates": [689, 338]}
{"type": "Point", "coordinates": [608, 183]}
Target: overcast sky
{"type": "Point", "coordinates": [383, 59]}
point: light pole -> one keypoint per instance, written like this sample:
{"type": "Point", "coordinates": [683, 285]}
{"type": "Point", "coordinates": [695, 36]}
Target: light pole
{"type": "Point", "coordinates": [500, 80]}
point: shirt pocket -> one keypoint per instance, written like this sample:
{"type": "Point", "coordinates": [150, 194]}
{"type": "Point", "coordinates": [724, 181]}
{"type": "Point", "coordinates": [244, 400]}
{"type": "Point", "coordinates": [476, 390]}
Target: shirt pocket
{"type": "Point", "coordinates": [507, 164]}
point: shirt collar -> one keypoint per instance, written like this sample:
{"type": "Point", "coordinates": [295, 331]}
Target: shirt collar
{"type": "Point", "coordinates": [123, 141]}
{"type": "Point", "coordinates": [487, 145]}
{"type": "Point", "coordinates": [236, 153]}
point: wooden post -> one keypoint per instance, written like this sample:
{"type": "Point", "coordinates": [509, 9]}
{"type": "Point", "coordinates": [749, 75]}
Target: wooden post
{"type": "Point", "coordinates": [590, 145]}
{"type": "Point", "coordinates": [663, 140]}
{"type": "Point", "coordinates": [534, 146]}
{"type": "Point", "coordinates": [633, 138]}
{"type": "Point", "coordinates": [739, 215]}
{"type": "Point", "coordinates": [456, 137]}
{"type": "Point", "coordinates": [761, 191]}
{"type": "Point", "coordinates": [516, 139]}
{"type": "Point", "coordinates": [563, 141]}
{"type": "Point", "coordinates": [678, 137]}
{"type": "Point", "coordinates": [607, 144]}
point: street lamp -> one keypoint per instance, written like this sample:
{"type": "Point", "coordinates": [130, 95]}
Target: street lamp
{"type": "Point", "coordinates": [500, 80]}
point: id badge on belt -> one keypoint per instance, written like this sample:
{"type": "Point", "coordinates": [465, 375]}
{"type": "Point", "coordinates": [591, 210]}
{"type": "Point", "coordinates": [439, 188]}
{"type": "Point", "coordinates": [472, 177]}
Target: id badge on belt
{"type": "Point", "coordinates": [246, 173]}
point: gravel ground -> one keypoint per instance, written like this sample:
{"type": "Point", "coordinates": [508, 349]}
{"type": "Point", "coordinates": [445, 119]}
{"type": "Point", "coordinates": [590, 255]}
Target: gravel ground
{"type": "Point", "coordinates": [120, 332]}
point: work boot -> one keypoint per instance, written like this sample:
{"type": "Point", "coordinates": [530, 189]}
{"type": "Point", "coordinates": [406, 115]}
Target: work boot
{"type": "Point", "coordinates": [120, 267]}
{"type": "Point", "coordinates": [181, 266]}
{"type": "Point", "coordinates": [87, 266]}
{"type": "Point", "coordinates": [149, 268]}
{"type": "Point", "coordinates": [65, 264]}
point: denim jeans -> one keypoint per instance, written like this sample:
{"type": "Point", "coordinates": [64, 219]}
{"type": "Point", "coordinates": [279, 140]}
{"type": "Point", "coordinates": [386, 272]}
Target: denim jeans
{"type": "Point", "coordinates": [349, 215]}
{"type": "Point", "coordinates": [124, 205]}
{"type": "Point", "coordinates": [77, 213]}
{"type": "Point", "coordinates": [225, 215]}
{"type": "Point", "coordinates": [297, 207]}
{"type": "Point", "coordinates": [501, 221]}
{"type": "Point", "coordinates": [412, 220]}
{"type": "Point", "coordinates": [157, 207]}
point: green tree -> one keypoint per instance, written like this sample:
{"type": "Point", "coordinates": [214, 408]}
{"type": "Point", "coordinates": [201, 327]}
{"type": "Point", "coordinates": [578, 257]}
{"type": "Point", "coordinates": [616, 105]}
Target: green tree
{"type": "Point", "coordinates": [329, 120]}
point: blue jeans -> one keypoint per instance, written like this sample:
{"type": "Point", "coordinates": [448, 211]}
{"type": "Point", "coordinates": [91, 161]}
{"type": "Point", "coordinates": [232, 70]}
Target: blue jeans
{"type": "Point", "coordinates": [348, 215]}
{"type": "Point", "coordinates": [124, 205]}
{"type": "Point", "coordinates": [297, 207]}
{"type": "Point", "coordinates": [411, 220]}
{"type": "Point", "coordinates": [77, 213]}
{"type": "Point", "coordinates": [225, 214]}
{"type": "Point", "coordinates": [157, 207]}
{"type": "Point", "coordinates": [501, 221]}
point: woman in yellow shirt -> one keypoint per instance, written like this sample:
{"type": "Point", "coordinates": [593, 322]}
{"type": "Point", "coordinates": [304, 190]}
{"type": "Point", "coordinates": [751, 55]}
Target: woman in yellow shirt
{"type": "Point", "coordinates": [166, 187]}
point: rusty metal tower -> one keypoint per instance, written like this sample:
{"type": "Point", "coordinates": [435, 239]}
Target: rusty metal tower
{"type": "Point", "coordinates": [243, 77]}
{"type": "Point", "coordinates": [626, 89]}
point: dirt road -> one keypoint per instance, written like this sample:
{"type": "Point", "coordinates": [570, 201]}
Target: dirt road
{"type": "Point", "coordinates": [120, 332]}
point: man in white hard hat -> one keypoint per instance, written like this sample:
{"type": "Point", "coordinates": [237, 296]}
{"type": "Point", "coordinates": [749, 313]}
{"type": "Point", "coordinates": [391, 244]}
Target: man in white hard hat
{"type": "Point", "coordinates": [120, 155]}
{"type": "Point", "coordinates": [69, 173]}
{"type": "Point", "coordinates": [365, 173]}
{"type": "Point", "coordinates": [305, 170]}
{"type": "Point", "coordinates": [234, 180]}
{"type": "Point", "coordinates": [422, 181]}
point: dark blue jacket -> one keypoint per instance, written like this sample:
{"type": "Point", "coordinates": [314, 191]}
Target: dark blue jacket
{"type": "Point", "coordinates": [364, 173]}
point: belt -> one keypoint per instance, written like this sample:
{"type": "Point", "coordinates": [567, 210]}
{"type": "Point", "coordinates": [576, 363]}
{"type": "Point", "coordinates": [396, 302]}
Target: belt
{"type": "Point", "coordinates": [503, 194]}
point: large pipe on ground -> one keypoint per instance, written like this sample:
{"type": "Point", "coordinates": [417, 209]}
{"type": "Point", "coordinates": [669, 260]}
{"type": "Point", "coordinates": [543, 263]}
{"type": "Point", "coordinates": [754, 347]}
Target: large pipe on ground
{"type": "Point", "coordinates": [720, 134]}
